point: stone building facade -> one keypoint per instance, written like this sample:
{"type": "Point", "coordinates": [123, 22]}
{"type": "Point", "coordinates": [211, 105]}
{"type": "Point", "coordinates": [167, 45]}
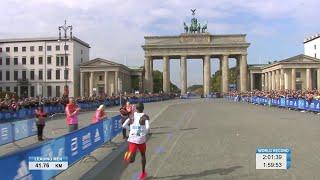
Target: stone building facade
{"type": "Point", "coordinates": [38, 66]}
{"type": "Point", "coordinates": [300, 72]}
{"type": "Point", "coordinates": [101, 76]}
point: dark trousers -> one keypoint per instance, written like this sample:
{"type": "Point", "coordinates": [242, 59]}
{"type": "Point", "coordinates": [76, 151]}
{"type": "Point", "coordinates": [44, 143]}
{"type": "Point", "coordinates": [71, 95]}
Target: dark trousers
{"type": "Point", "coordinates": [124, 132]}
{"type": "Point", "coordinates": [73, 127]}
{"type": "Point", "coordinates": [40, 131]}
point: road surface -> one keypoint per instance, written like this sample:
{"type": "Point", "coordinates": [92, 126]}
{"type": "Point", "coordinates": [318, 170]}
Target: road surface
{"type": "Point", "coordinates": [217, 139]}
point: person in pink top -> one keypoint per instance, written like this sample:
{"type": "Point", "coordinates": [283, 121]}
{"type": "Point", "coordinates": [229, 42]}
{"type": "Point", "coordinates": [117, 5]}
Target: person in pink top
{"type": "Point", "coordinates": [72, 112]}
{"type": "Point", "coordinates": [99, 114]}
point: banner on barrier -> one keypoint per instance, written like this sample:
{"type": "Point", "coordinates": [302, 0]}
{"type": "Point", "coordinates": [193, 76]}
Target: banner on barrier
{"type": "Point", "coordinates": [107, 130]}
{"type": "Point", "coordinates": [282, 102]}
{"type": "Point", "coordinates": [302, 104]}
{"type": "Point", "coordinates": [84, 141]}
{"type": "Point", "coordinates": [6, 134]}
{"type": "Point", "coordinates": [23, 129]}
{"type": "Point", "coordinates": [20, 129]}
{"type": "Point", "coordinates": [19, 169]}
{"type": "Point", "coordinates": [116, 125]}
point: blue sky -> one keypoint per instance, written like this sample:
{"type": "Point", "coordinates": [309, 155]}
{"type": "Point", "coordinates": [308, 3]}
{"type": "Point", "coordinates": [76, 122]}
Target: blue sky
{"type": "Point", "coordinates": [115, 29]}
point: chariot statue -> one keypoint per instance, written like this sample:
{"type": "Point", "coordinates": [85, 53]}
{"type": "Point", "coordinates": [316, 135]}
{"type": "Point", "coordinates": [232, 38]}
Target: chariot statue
{"type": "Point", "coordinates": [194, 27]}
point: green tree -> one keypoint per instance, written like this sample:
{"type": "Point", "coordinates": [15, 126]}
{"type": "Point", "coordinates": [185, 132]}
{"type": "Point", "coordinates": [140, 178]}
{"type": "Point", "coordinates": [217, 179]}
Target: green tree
{"type": "Point", "coordinates": [216, 79]}
{"type": "Point", "coordinates": [197, 89]}
{"type": "Point", "coordinates": [157, 83]}
{"type": "Point", "coordinates": [135, 82]}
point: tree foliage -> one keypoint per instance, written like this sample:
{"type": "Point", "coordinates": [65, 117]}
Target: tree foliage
{"type": "Point", "coordinates": [216, 79]}
{"type": "Point", "coordinates": [157, 83]}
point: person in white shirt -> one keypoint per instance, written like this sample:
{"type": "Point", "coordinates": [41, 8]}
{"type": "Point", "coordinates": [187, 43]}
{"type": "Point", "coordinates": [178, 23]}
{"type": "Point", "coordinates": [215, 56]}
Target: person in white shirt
{"type": "Point", "coordinates": [139, 127]}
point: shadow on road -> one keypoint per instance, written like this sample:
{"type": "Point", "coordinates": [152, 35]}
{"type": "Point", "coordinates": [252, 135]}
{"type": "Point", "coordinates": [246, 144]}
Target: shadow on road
{"type": "Point", "coordinates": [220, 171]}
{"type": "Point", "coordinates": [160, 127]}
{"type": "Point", "coordinates": [187, 129]}
{"type": "Point", "coordinates": [170, 132]}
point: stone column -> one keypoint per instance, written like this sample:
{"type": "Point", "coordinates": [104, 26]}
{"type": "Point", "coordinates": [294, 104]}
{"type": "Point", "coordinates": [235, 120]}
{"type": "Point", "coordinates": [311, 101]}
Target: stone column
{"type": "Point", "coordinates": [183, 74]}
{"type": "Point", "coordinates": [106, 82]}
{"type": "Point", "coordinates": [281, 79]}
{"type": "Point", "coordinates": [273, 80]}
{"type": "Point", "coordinates": [238, 73]}
{"type": "Point", "coordinates": [147, 76]}
{"type": "Point", "coordinates": [225, 73]}
{"type": "Point", "coordinates": [266, 82]}
{"type": "Point", "coordinates": [318, 79]}
{"type": "Point", "coordinates": [206, 75]}
{"type": "Point", "coordinates": [270, 80]}
{"type": "Point", "coordinates": [151, 75]}
{"type": "Point", "coordinates": [243, 72]}
{"type": "Point", "coordinates": [220, 67]}
{"type": "Point", "coordinates": [251, 81]}
{"type": "Point", "coordinates": [277, 79]}
{"type": "Point", "coordinates": [293, 79]}
{"type": "Point", "coordinates": [140, 83]}
{"type": "Point", "coordinates": [120, 82]}
{"type": "Point", "coordinates": [263, 82]}
{"type": "Point", "coordinates": [308, 79]}
{"type": "Point", "coordinates": [91, 83]}
{"type": "Point", "coordinates": [286, 81]}
{"type": "Point", "coordinates": [81, 84]}
{"type": "Point", "coordinates": [116, 82]}
{"type": "Point", "coordinates": [166, 74]}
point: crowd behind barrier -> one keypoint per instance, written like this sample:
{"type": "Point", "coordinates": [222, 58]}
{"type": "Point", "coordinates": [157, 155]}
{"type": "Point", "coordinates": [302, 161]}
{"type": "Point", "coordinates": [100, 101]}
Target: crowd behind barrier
{"type": "Point", "coordinates": [75, 146]}
{"type": "Point", "coordinates": [16, 130]}
{"type": "Point", "coordinates": [12, 109]}
{"type": "Point", "coordinates": [299, 100]}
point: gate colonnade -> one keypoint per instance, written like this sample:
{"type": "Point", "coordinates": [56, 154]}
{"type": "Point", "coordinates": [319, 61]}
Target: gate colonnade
{"type": "Point", "coordinates": [196, 46]}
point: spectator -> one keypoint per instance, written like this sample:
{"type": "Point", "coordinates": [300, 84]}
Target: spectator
{"type": "Point", "coordinates": [99, 114]}
{"type": "Point", "coordinates": [72, 112]}
{"type": "Point", "coordinates": [124, 116]}
{"type": "Point", "coordinates": [40, 116]}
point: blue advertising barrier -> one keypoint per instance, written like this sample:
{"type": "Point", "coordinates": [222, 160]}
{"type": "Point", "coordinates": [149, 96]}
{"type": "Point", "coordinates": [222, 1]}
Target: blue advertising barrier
{"type": "Point", "coordinates": [74, 145]}
{"type": "Point", "coordinates": [107, 130]}
{"type": "Point", "coordinates": [10, 132]}
{"type": "Point", "coordinates": [20, 129]}
{"type": "Point", "coordinates": [82, 142]}
{"type": "Point", "coordinates": [6, 134]}
{"type": "Point", "coordinates": [116, 125]}
{"type": "Point", "coordinates": [301, 104]}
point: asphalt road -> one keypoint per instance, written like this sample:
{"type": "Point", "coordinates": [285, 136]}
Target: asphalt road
{"type": "Point", "coordinates": [217, 139]}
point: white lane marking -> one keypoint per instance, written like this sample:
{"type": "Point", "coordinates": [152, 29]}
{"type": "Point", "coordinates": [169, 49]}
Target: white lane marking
{"type": "Point", "coordinates": [173, 145]}
{"type": "Point", "coordinates": [159, 113]}
{"type": "Point", "coordinates": [165, 141]}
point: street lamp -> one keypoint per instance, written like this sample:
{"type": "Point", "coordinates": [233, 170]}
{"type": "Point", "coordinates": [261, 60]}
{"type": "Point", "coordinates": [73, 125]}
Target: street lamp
{"type": "Point", "coordinates": [65, 28]}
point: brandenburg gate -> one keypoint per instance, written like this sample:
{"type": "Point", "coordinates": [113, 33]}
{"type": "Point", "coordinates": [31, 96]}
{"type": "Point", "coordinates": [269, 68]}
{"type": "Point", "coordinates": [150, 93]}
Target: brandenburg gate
{"type": "Point", "coordinates": [195, 43]}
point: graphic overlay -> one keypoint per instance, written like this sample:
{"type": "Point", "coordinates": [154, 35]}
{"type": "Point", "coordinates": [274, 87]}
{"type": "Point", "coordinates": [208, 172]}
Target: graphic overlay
{"type": "Point", "coordinates": [273, 158]}
{"type": "Point", "coordinates": [48, 163]}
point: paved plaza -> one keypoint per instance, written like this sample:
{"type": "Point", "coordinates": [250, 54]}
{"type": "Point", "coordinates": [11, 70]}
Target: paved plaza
{"type": "Point", "coordinates": [217, 139]}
